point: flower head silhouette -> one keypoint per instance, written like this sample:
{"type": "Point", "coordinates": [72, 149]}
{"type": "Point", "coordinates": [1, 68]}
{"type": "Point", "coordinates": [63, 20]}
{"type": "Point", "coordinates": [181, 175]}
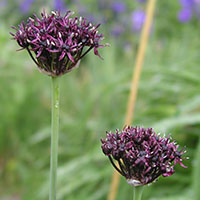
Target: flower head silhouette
{"type": "Point", "coordinates": [58, 43]}
{"type": "Point", "coordinates": [142, 155]}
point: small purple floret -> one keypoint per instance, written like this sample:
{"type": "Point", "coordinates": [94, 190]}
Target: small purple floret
{"type": "Point", "coordinates": [138, 19]}
{"type": "Point", "coordinates": [141, 154]}
{"type": "Point", "coordinates": [117, 30]}
{"type": "Point", "coordinates": [185, 15]}
{"type": "Point", "coordinates": [118, 7]}
{"type": "Point", "coordinates": [57, 42]}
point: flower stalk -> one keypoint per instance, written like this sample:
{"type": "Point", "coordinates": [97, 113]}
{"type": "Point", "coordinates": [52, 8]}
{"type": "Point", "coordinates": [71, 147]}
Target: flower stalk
{"type": "Point", "coordinates": [54, 137]}
{"type": "Point", "coordinates": [137, 193]}
{"type": "Point", "coordinates": [56, 45]}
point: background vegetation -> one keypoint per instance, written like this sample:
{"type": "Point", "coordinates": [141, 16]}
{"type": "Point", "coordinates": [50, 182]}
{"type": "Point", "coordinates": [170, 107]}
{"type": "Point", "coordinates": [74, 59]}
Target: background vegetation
{"type": "Point", "coordinates": [93, 100]}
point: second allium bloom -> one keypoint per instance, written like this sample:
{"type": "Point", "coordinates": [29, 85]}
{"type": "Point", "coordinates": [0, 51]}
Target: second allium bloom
{"type": "Point", "coordinates": [57, 42]}
{"type": "Point", "coordinates": [142, 155]}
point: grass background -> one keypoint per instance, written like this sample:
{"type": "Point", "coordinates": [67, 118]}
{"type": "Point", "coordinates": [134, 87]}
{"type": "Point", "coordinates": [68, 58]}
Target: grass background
{"type": "Point", "coordinates": [93, 100]}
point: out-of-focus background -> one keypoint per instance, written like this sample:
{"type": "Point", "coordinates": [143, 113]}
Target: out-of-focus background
{"type": "Point", "coordinates": [94, 99]}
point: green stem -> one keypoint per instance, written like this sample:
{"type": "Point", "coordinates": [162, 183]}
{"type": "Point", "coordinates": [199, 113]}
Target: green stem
{"type": "Point", "coordinates": [137, 194]}
{"type": "Point", "coordinates": [54, 137]}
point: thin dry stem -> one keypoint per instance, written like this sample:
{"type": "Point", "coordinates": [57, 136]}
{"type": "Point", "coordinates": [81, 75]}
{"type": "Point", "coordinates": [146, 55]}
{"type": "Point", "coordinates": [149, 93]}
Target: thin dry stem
{"type": "Point", "coordinates": [134, 84]}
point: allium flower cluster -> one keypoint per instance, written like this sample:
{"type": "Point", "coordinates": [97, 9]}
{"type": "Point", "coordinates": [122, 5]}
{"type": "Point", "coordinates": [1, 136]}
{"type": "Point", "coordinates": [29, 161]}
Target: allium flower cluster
{"type": "Point", "coordinates": [57, 42]}
{"type": "Point", "coordinates": [141, 154]}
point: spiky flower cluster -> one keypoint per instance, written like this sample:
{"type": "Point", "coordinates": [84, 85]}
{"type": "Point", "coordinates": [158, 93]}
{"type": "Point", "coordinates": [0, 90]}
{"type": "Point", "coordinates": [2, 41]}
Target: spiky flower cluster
{"type": "Point", "coordinates": [58, 42]}
{"type": "Point", "coordinates": [141, 154]}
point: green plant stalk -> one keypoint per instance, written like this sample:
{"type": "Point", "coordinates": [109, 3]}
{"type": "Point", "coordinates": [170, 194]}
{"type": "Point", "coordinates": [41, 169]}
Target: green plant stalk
{"type": "Point", "coordinates": [54, 137]}
{"type": "Point", "coordinates": [137, 194]}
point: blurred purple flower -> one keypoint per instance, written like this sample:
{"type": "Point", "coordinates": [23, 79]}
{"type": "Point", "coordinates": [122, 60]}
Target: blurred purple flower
{"type": "Point", "coordinates": [91, 18]}
{"type": "Point", "coordinates": [141, 1]}
{"type": "Point", "coordinates": [26, 5]}
{"type": "Point", "coordinates": [137, 18]}
{"type": "Point", "coordinates": [185, 15]}
{"type": "Point", "coordinates": [186, 3]}
{"type": "Point", "coordinates": [117, 30]}
{"type": "Point", "coordinates": [118, 7]}
{"type": "Point", "coordinates": [83, 11]}
{"type": "Point", "coordinates": [189, 8]}
{"type": "Point", "coordinates": [3, 5]}
{"type": "Point", "coordinates": [59, 5]}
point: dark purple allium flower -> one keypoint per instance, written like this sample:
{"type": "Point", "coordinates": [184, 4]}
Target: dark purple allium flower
{"type": "Point", "coordinates": [118, 7]}
{"type": "Point", "coordinates": [185, 15]}
{"type": "Point", "coordinates": [58, 42]}
{"type": "Point", "coordinates": [138, 19]}
{"type": "Point", "coordinates": [141, 154]}
{"type": "Point", "coordinates": [26, 5]}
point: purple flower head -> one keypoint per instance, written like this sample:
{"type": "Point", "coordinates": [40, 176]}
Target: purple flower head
{"type": "Point", "coordinates": [57, 42]}
{"type": "Point", "coordinates": [118, 7]}
{"type": "Point", "coordinates": [142, 155]}
{"type": "Point", "coordinates": [138, 19]}
{"type": "Point", "coordinates": [26, 5]}
{"type": "Point", "coordinates": [185, 15]}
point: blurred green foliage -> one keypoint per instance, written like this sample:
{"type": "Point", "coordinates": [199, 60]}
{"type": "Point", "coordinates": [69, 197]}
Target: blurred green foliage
{"type": "Point", "coordinates": [93, 100]}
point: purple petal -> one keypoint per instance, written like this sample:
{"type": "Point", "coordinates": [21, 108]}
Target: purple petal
{"type": "Point", "coordinates": [97, 53]}
{"type": "Point", "coordinates": [70, 57]}
{"type": "Point", "coordinates": [138, 19]}
{"type": "Point", "coordinates": [62, 55]}
{"type": "Point", "coordinates": [185, 15]}
{"type": "Point", "coordinates": [39, 52]}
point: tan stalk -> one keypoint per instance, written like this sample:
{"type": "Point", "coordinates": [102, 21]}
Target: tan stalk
{"type": "Point", "coordinates": [134, 84]}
